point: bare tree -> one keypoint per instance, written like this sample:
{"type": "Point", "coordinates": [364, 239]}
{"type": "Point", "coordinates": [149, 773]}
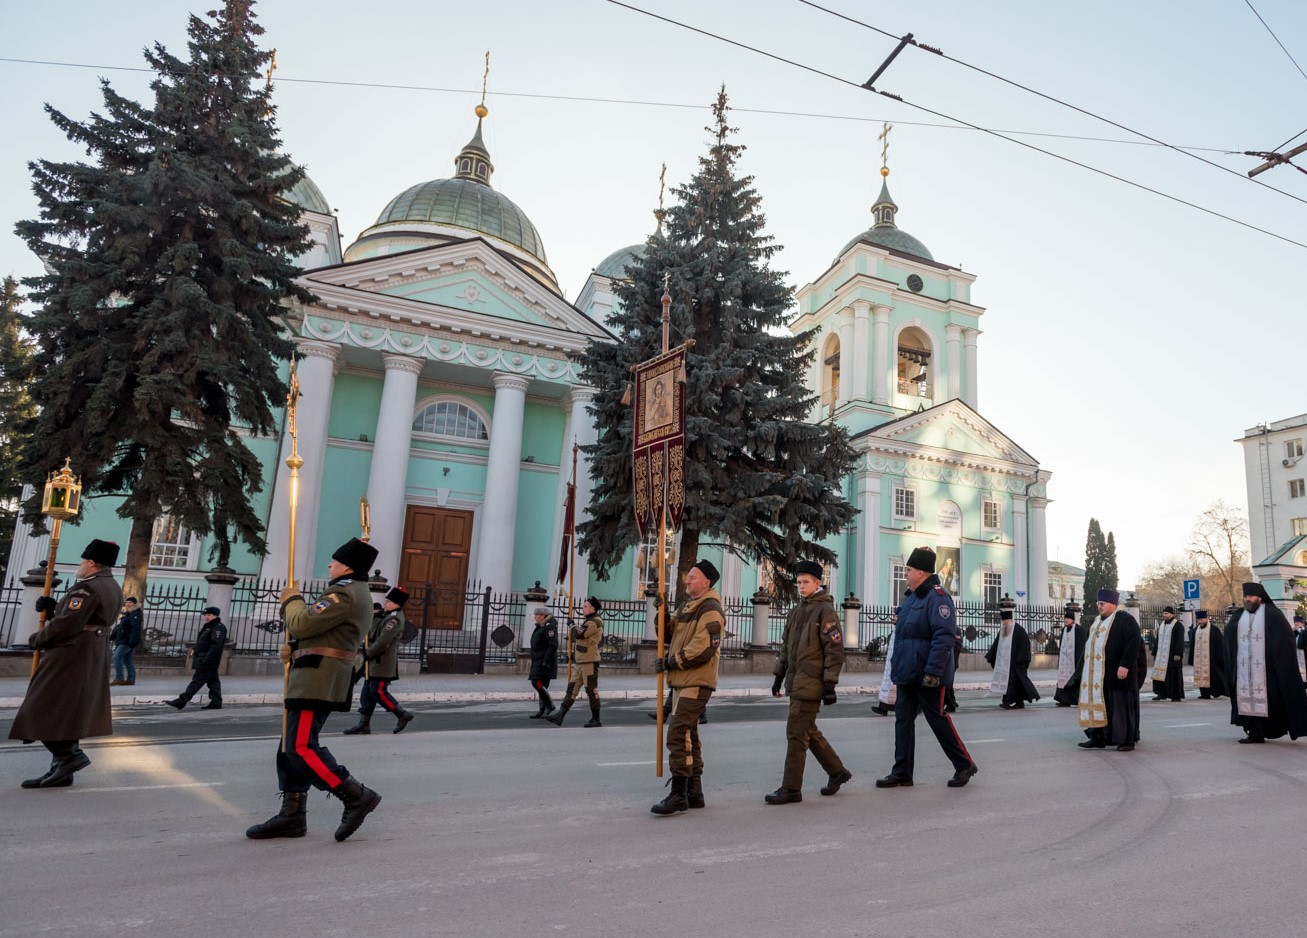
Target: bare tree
{"type": "Point", "coordinates": [1162, 581]}
{"type": "Point", "coordinates": [1219, 546]}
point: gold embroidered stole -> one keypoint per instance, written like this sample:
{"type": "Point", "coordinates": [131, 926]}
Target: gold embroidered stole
{"type": "Point", "coordinates": [1163, 650]}
{"type": "Point", "coordinates": [1250, 665]}
{"type": "Point", "coordinates": [1203, 656]}
{"type": "Point", "coordinates": [1093, 704]}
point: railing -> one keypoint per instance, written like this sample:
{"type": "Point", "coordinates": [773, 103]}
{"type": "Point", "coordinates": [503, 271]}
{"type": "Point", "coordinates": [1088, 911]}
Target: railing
{"type": "Point", "coordinates": [16, 623]}
{"type": "Point", "coordinates": [171, 619]}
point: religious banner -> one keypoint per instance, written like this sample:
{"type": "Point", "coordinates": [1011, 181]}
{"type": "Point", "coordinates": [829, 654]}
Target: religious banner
{"type": "Point", "coordinates": [659, 440]}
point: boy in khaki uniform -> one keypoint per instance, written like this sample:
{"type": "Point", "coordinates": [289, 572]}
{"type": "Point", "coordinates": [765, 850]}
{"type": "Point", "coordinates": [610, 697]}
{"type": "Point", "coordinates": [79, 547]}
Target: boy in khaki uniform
{"type": "Point", "coordinates": [585, 658]}
{"type": "Point", "coordinates": [691, 667]}
{"type": "Point", "coordinates": [809, 664]}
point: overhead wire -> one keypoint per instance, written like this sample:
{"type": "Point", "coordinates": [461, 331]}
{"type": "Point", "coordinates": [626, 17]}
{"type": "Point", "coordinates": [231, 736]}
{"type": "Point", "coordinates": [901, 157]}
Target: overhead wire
{"type": "Point", "coordinates": [1277, 41]}
{"type": "Point", "coordinates": [948, 117]}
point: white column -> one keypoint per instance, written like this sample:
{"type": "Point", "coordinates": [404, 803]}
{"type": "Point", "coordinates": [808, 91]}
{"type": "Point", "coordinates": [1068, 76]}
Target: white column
{"type": "Point", "coordinates": [969, 337]}
{"type": "Point", "coordinates": [880, 377]}
{"type": "Point", "coordinates": [1020, 553]}
{"type": "Point", "coordinates": [584, 433]}
{"type": "Point", "coordinates": [869, 590]}
{"type": "Point", "coordinates": [498, 515]}
{"type": "Point", "coordinates": [847, 354]}
{"type": "Point", "coordinates": [317, 372]}
{"type": "Point", "coordinates": [388, 476]}
{"type": "Point", "coordinates": [861, 340]}
{"type": "Point", "coordinates": [953, 343]}
{"type": "Point", "coordinates": [1039, 551]}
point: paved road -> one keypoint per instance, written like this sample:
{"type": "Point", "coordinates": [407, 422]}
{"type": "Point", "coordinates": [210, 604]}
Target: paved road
{"type": "Point", "coordinates": [494, 828]}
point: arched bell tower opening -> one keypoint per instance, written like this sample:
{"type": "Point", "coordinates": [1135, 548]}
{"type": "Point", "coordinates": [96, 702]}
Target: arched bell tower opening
{"type": "Point", "coordinates": [830, 375]}
{"type": "Point", "coordinates": [915, 373]}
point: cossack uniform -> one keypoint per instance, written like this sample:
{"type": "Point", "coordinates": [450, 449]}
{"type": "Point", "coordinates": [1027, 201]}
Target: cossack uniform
{"type": "Point", "coordinates": [586, 640]}
{"type": "Point", "coordinates": [381, 664]}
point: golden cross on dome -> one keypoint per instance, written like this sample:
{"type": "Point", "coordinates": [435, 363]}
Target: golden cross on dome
{"type": "Point", "coordinates": [662, 185]}
{"type": "Point", "coordinates": [481, 109]}
{"type": "Point", "coordinates": [883, 137]}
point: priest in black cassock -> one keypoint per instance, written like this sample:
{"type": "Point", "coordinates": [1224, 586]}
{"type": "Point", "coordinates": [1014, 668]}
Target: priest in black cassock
{"type": "Point", "coordinates": [1010, 656]}
{"type": "Point", "coordinates": [1300, 629]}
{"type": "Point", "coordinates": [1070, 661]}
{"type": "Point", "coordinates": [1207, 655]}
{"type": "Point", "coordinates": [1167, 647]}
{"type": "Point", "coordinates": [1267, 696]}
{"type": "Point", "coordinates": [1109, 687]}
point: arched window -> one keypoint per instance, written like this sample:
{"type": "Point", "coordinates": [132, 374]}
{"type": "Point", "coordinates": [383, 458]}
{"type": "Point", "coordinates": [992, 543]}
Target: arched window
{"type": "Point", "coordinates": [830, 375]}
{"type": "Point", "coordinates": [450, 418]}
{"type": "Point", "coordinates": [914, 376]}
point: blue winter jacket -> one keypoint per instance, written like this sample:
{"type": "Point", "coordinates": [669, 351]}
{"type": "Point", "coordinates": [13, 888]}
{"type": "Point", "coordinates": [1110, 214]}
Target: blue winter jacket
{"type": "Point", "coordinates": [924, 634]}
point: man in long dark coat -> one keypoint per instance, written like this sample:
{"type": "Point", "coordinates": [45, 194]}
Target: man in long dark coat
{"type": "Point", "coordinates": [544, 659]}
{"type": "Point", "coordinates": [1010, 657]}
{"type": "Point", "coordinates": [68, 697]}
{"type": "Point", "coordinates": [1207, 655]}
{"type": "Point", "coordinates": [1267, 696]}
{"type": "Point", "coordinates": [1070, 662]}
{"type": "Point", "coordinates": [1109, 687]}
{"type": "Point", "coordinates": [1167, 647]}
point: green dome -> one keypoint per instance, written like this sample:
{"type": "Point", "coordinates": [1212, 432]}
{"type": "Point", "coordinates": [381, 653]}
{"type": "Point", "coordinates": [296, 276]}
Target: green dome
{"type": "Point", "coordinates": [614, 265]}
{"type": "Point", "coordinates": [308, 196]}
{"type": "Point", "coordinates": [896, 239]}
{"type": "Point", "coordinates": [464, 203]}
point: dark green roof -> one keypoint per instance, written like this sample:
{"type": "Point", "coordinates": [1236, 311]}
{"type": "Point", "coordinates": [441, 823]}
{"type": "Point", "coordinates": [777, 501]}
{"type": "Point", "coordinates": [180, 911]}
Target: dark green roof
{"type": "Point", "coordinates": [307, 195]}
{"type": "Point", "coordinates": [464, 203]}
{"type": "Point", "coordinates": [896, 239]}
{"type": "Point", "coordinates": [614, 265]}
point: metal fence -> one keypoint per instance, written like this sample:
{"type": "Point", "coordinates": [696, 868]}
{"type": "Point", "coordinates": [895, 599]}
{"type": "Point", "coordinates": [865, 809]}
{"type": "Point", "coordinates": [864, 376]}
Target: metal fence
{"type": "Point", "coordinates": [16, 623]}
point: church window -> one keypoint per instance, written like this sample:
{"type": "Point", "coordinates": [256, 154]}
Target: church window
{"type": "Point", "coordinates": [450, 418]}
{"type": "Point", "coordinates": [905, 503]}
{"type": "Point", "coordinates": [171, 544]}
{"type": "Point", "coordinates": [1293, 449]}
{"type": "Point", "coordinates": [914, 363]}
{"type": "Point", "coordinates": [993, 587]}
{"type": "Point", "coordinates": [992, 515]}
{"type": "Point", "coordinates": [1297, 488]}
{"type": "Point", "coordinates": [898, 582]}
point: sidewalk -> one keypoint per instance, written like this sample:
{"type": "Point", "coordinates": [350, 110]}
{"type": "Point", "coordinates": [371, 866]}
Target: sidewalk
{"type": "Point", "coordinates": [477, 688]}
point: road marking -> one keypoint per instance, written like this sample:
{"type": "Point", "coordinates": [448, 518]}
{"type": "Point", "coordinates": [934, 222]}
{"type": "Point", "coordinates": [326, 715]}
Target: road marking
{"type": "Point", "coordinates": [152, 787]}
{"type": "Point", "coordinates": [994, 740]}
{"type": "Point", "coordinates": [606, 764]}
{"type": "Point", "coordinates": [1176, 726]}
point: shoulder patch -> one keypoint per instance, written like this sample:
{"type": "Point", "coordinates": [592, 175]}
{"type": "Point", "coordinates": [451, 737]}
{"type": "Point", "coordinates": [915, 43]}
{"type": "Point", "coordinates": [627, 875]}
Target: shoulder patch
{"type": "Point", "coordinates": [835, 636]}
{"type": "Point", "coordinates": [76, 602]}
{"type": "Point", "coordinates": [945, 612]}
{"type": "Point", "coordinates": [325, 603]}
{"type": "Point", "coordinates": [390, 626]}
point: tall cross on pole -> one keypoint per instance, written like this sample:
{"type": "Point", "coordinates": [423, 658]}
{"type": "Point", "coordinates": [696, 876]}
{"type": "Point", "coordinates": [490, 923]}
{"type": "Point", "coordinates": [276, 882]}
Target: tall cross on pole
{"type": "Point", "coordinates": [883, 137]}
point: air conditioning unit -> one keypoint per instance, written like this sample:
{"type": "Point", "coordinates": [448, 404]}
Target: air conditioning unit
{"type": "Point", "coordinates": [1286, 463]}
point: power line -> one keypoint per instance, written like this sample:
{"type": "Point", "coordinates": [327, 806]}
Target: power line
{"type": "Point", "coordinates": [1056, 100]}
{"type": "Point", "coordinates": [1277, 41]}
{"type": "Point", "coordinates": [636, 102]}
{"type": "Point", "coordinates": [943, 116]}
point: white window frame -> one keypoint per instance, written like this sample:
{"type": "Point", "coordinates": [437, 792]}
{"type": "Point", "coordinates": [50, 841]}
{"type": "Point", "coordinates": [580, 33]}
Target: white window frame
{"type": "Point", "coordinates": [477, 411]}
{"type": "Point", "coordinates": [1297, 488]}
{"type": "Point", "coordinates": [898, 580]}
{"type": "Point", "coordinates": [1299, 526]}
{"type": "Point", "coordinates": [989, 578]}
{"type": "Point", "coordinates": [912, 493]}
{"type": "Point", "coordinates": [184, 551]}
{"type": "Point", "coordinates": [1293, 449]}
{"type": "Point", "coordinates": [998, 513]}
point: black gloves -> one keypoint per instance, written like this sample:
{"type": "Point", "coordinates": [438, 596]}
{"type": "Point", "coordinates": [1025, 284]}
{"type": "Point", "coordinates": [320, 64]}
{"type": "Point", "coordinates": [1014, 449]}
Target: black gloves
{"type": "Point", "coordinates": [828, 694]}
{"type": "Point", "coordinates": [664, 664]}
{"type": "Point", "coordinates": [46, 604]}
{"type": "Point", "coordinates": [930, 680]}
{"type": "Point", "coordinates": [777, 684]}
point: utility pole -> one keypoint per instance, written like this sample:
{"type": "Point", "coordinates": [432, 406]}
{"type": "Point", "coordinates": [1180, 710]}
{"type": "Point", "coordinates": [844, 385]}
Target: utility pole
{"type": "Point", "coordinates": [1275, 159]}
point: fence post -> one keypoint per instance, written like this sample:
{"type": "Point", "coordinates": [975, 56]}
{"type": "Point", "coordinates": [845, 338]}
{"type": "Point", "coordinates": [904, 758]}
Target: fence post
{"type": "Point", "coordinates": [426, 622]}
{"type": "Point", "coordinates": [222, 581]}
{"type": "Point", "coordinates": [761, 616]}
{"type": "Point", "coordinates": [485, 631]}
{"type": "Point", "coordinates": [851, 606]}
{"type": "Point", "coordinates": [537, 597]}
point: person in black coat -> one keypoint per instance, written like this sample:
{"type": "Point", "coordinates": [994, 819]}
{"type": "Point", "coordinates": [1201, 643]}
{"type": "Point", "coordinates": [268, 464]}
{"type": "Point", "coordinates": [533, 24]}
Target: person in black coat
{"type": "Point", "coordinates": [544, 659]}
{"type": "Point", "coordinates": [126, 637]}
{"type": "Point", "coordinates": [1284, 703]}
{"type": "Point", "coordinates": [205, 660]}
{"type": "Point", "coordinates": [1209, 679]}
{"type": "Point", "coordinates": [1167, 647]}
{"type": "Point", "coordinates": [1109, 688]}
{"type": "Point", "coordinates": [1015, 684]}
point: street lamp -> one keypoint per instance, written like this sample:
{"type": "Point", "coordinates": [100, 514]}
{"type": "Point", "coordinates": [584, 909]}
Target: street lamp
{"type": "Point", "coordinates": [61, 500]}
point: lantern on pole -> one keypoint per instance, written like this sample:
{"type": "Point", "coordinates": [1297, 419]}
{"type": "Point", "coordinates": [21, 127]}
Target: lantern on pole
{"type": "Point", "coordinates": [61, 500]}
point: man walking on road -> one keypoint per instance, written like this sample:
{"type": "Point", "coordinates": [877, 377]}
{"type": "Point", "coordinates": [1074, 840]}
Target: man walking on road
{"type": "Point", "coordinates": [206, 659]}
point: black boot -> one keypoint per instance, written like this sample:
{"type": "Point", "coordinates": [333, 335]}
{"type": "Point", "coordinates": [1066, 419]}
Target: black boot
{"type": "Point", "coordinates": [176, 702]}
{"type": "Point", "coordinates": [540, 712]}
{"type": "Point", "coordinates": [405, 717]}
{"type": "Point", "coordinates": [676, 801]}
{"type": "Point", "coordinates": [694, 794]}
{"type": "Point", "coordinates": [594, 716]}
{"type": "Point", "coordinates": [557, 718]}
{"type": "Point", "coordinates": [61, 771]}
{"type": "Point", "coordinates": [288, 822]}
{"type": "Point", "coordinates": [362, 728]}
{"type": "Point", "coordinates": [359, 801]}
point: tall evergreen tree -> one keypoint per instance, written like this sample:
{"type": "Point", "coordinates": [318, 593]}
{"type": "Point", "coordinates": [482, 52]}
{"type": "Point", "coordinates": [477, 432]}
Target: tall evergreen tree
{"type": "Point", "coordinates": [16, 409]}
{"type": "Point", "coordinates": [1110, 575]}
{"type": "Point", "coordinates": [1100, 566]}
{"type": "Point", "coordinates": [160, 322]}
{"type": "Point", "coordinates": [759, 476]}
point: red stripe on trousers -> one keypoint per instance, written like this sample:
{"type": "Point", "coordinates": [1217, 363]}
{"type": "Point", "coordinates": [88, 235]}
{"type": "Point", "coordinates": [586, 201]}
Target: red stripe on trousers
{"type": "Point", "coordinates": [387, 699]}
{"type": "Point", "coordinates": [952, 728]}
{"type": "Point", "coordinates": [311, 758]}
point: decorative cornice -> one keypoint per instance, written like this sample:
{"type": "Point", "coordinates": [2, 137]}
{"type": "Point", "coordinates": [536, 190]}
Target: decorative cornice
{"type": "Point", "coordinates": [325, 350]}
{"type": "Point", "coordinates": [402, 363]}
{"type": "Point", "coordinates": [510, 382]}
{"type": "Point", "coordinates": [581, 394]}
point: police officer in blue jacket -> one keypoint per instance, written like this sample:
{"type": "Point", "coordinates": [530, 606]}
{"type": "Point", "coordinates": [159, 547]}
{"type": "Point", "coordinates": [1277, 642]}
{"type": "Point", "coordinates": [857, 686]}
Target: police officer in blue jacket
{"type": "Point", "coordinates": [923, 666]}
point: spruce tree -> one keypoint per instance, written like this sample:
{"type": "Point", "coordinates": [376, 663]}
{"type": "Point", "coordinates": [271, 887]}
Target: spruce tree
{"type": "Point", "coordinates": [16, 408]}
{"type": "Point", "coordinates": [1096, 568]}
{"type": "Point", "coordinates": [170, 257]}
{"type": "Point", "coordinates": [759, 477]}
{"type": "Point", "coordinates": [1110, 574]}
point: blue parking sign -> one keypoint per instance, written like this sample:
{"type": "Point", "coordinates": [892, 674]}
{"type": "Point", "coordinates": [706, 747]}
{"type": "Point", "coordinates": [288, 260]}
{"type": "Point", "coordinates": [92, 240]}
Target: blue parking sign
{"type": "Point", "coordinates": [1191, 589]}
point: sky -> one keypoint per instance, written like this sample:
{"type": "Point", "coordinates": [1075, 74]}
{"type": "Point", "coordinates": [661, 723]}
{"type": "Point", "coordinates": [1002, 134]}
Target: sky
{"type": "Point", "coordinates": [1128, 339]}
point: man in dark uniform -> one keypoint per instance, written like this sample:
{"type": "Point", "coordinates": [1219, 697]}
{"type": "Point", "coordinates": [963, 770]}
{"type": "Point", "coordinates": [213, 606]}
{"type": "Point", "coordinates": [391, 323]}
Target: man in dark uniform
{"type": "Point", "coordinates": [206, 660]}
{"type": "Point", "coordinates": [323, 638]}
{"type": "Point", "coordinates": [808, 665]}
{"type": "Point", "coordinates": [126, 638]}
{"type": "Point", "coordinates": [381, 664]}
{"type": "Point", "coordinates": [923, 664]}
{"type": "Point", "coordinates": [586, 638]}
{"type": "Point", "coordinates": [68, 697]}
{"type": "Point", "coordinates": [1167, 647]}
{"type": "Point", "coordinates": [544, 659]}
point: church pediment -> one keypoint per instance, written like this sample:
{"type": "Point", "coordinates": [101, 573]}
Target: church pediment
{"type": "Point", "coordinates": [950, 432]}
{"type": "Point", "coordinates": [459, 283]}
